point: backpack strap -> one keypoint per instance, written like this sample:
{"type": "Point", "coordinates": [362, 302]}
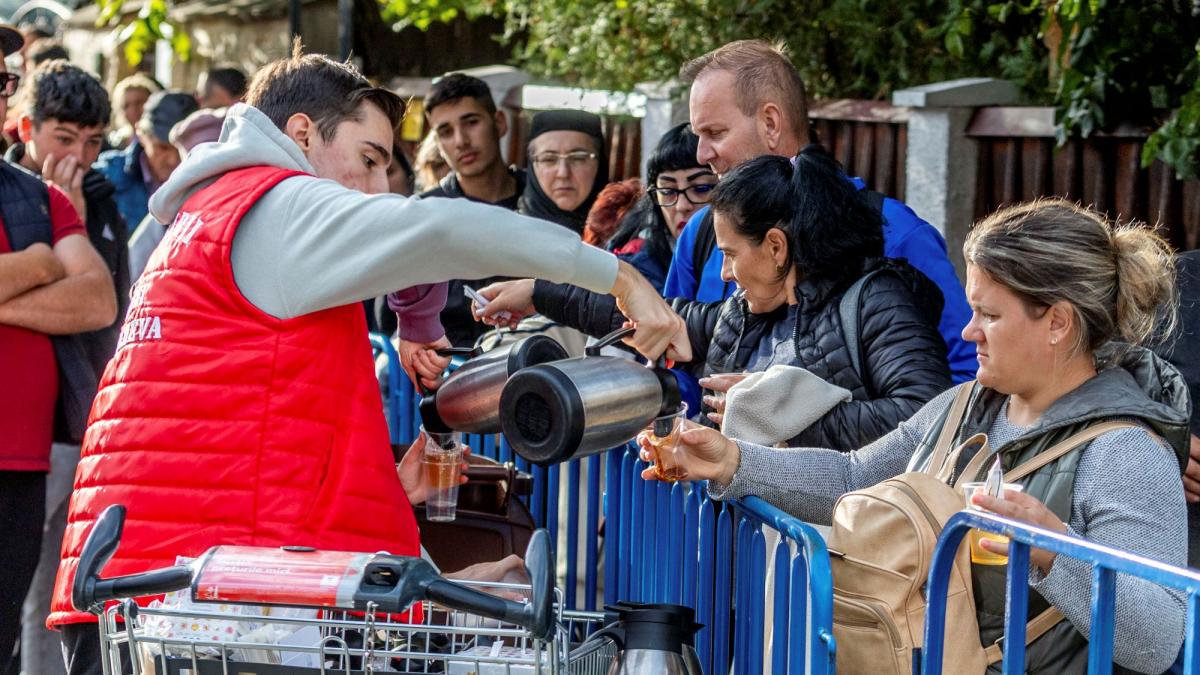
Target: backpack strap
{"type": "Point", "coordinates": [706, 242]}
{"type": "Point", "coordinates": [850, 315]}
{"type": "Point", "coordinates": [1063, 447]}
{"type": "Point", "coordinates": [1036, 628]}
{"type": "Point", "coordinates": [984, 451]}
{"type": "Point", "coordinates": [958, 409]}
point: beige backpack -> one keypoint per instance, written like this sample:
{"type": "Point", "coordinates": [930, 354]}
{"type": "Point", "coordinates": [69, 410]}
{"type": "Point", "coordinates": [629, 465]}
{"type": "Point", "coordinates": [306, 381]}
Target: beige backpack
{"type": "Point", "coordinates": [880, 549]}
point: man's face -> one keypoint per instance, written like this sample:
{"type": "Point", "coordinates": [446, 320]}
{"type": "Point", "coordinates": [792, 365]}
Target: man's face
{"type": "Point", "coordinates": [359, 153]}
{"type": "Point", "coordinates": [160, 155]}
{"type": "Point", "coordinates": [728, 136]}
{"type": "Point", "coordinates": [61, 139]}
{"type": "Point", "coordinates": [468, 136]}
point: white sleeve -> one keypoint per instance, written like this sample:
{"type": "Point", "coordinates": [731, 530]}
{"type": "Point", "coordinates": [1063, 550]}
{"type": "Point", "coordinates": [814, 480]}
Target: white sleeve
{"type": "Point", "coordinates": [310, 244]}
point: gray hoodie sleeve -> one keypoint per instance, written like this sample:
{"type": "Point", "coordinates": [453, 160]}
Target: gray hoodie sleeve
{"type": "Point", "coordinates": [310, 244]}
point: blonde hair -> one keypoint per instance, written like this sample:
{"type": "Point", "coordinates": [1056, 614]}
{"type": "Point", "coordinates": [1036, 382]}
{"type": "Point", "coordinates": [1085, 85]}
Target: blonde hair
{"type": "Point", "coordinates": [1118, 278]}
{"type": "Point", "coordinates": [135, 81]}
{"type": "Point", "coordinates": [762, 74]}
{"type": "Point", "coordinates": [429, 159]}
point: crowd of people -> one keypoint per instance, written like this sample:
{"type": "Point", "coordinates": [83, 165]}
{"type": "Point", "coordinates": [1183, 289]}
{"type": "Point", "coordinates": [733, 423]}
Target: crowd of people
{"type": "Point", "coordinates": [187, 279]}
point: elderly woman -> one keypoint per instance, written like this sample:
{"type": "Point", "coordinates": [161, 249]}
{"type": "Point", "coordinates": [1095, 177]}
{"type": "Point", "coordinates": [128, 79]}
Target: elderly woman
{"type": "Point", "coordinates": [1051, 286]}
{"type": "Point", "coordinates": [569, 167]}
{"type": "Point", "coordinates": [797, 236]}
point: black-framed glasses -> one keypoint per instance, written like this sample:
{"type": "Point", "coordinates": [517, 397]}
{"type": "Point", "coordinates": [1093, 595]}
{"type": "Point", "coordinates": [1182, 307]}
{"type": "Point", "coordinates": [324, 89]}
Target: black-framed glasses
{"type": "Point", "coordinates": [9, 83]}
{"type": "Point", "coordinates": [575, 160]}
{"type": "Point", "coordinates": [695, 194]}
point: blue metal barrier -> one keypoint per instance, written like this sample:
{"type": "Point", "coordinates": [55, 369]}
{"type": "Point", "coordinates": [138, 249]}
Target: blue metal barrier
{"type": "Point", "coordinates": [669, 543]}
{"type": "Point", "coordinates": [1106, 561]}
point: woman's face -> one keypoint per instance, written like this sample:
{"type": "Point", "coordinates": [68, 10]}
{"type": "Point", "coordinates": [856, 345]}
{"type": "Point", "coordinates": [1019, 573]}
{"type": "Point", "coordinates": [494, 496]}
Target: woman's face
{"type": "Point", "coordinates": [757, 268]}
{"type": "Point", "coordinates": [565, 163]}
{"type": "Point", "coordinates": [1012, 341]}
{"type": "Point", "coordinates": [690, 189]}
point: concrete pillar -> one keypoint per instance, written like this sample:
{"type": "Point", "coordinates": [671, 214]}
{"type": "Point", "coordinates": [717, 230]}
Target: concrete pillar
{"type": "Point", "coordinates": [666, 106]}
{"type": "Point", "coordinates": [506, 83]}
{"type": "Point", "coordinates": [942, 162]}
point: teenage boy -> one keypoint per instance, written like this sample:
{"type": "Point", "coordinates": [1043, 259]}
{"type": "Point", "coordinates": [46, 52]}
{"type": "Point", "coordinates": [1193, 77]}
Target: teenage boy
{"type": "Point", "coordinates": [242, 406]}
{"type": "Point", "coordinates": [52, 285]}
{"type": "Point", "coordinates": [61, 131]}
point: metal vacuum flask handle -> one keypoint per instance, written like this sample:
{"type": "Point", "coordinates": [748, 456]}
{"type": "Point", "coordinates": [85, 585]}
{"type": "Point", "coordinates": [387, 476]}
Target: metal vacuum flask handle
{"type": "Point", "coordinates": [571, 408]}
{"type": "Point", "coordinates": [469, 400]}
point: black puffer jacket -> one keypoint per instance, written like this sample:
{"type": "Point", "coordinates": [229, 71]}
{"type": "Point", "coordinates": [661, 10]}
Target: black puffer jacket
{"type": "Point", "coordinates": [904, 356]}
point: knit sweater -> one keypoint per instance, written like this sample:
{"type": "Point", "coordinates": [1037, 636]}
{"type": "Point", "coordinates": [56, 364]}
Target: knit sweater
{"type": "Point", "coordinates": [1128, 495]}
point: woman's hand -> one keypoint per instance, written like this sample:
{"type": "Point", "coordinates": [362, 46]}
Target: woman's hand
{"type": "Point", "coordinates": [720, 383]}
{"type": "Point", "coordinates": [1022, 507]}
{"type": "Point", "coordinates": [702, 453]}
{"type": "Point", "coordinates": [412, 474]}
{"type": "Point", "coordinates": [421, 362]}
{"type": "Point", "coordinates": [513, 297]}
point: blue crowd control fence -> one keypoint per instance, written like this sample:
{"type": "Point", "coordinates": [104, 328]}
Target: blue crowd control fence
{"type": "Point", "coordinates": [619, 537]}
{"type": "Point", "coordinates": [671, 543]}
{"type": "Point", "coordinates": [1107, 562]}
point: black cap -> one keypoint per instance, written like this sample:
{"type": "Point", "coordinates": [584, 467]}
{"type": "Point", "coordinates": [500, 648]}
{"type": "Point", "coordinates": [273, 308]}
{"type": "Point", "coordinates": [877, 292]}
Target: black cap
{"type": "Point", "coordinates": [165, 109]}
{"type": "Point", "coordinates": [10, 39]}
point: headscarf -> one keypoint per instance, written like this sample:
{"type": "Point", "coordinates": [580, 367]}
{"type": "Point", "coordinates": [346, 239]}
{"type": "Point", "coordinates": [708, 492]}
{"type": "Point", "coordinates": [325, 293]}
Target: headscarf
{"type": "Point", "coordinates": [534, 201]}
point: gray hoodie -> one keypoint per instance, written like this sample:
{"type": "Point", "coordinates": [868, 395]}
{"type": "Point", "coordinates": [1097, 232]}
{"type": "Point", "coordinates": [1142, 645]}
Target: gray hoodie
{"type": "Point", "coordinates": [310, 244]}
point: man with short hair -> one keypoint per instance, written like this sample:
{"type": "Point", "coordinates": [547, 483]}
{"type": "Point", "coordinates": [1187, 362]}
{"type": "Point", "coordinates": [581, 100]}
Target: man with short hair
{"type": "Point", "coordinates": [52, 284]}
{"type": "Point", "coordinates": [220, 88]}
{"type": "Point", "coordinates": [241, 407]}
{"type": "Point", "coordinates": [748, 100]}
{"type": "Point", "coordinates": [463, 118]}
{"type": "Point", "coordinates": [61, 133]}
{"type": "Point", "coordinates": [139, 170]}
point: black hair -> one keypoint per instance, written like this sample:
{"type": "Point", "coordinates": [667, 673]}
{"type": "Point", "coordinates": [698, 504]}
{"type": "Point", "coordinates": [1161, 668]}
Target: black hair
{"type": "Point", "coordinates": [457, 86]}
{"type": "Point", "coordinates": [47, 50]}
{"type": "Point", "coordinates": [675, 150]}
{"type": "Point", "coordinates": [231, 80]}
{"type": "Point", "coordinates": [67, 93]}
{"type": "Point", "coordinates": [831, 229]}
{"type": "Point", "coordinates": [327, 91]}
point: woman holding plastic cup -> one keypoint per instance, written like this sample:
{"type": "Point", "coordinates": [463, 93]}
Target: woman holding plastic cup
{"type": "Point", "coordinates": [1052, 287]}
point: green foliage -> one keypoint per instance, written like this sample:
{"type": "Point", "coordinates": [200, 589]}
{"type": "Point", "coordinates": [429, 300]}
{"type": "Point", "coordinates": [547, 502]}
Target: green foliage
{"type": "Point", "coordinates": [1177, 142]}
{"type": "Point", "coordinates": [140, 34]}
{"type": "Point", "coordinates": [424, 13]}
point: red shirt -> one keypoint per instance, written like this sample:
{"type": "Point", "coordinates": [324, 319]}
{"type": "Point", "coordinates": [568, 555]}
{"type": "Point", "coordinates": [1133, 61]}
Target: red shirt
{"type": "Point", "coordinates": [30, 378]}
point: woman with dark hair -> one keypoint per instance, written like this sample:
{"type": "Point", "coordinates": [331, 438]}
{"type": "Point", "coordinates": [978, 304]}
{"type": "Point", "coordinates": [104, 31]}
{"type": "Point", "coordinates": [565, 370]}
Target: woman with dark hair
{"type": "Point", "coordinates": [646, 232]}
{"type": "Point", "coordinates": [568, 167]}
{"type": "Point", "coordinates": [796, 238]}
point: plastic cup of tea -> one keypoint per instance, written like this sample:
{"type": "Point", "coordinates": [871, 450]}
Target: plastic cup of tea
{"type": "Point", "coordinates": [442, 462]}
{"type": "Point", "coordinates": [980, 555]}
{"type": "Point", "coordinates": [666, 446]}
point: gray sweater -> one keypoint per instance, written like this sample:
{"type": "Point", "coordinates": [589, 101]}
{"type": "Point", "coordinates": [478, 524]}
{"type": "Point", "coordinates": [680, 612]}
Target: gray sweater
{"type": "Point", "coordinates": [1128, 495]}
{"type": "Point", "coordinates": [310, 244]}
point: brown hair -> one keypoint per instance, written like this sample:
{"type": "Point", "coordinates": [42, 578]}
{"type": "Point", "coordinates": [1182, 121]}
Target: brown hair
{"type": "Point", "coordinates": [762, 74]}
{"type": "Point", "coordinates": [327, 91]}
{"type": "Point", "coordinates": [1118, 278]}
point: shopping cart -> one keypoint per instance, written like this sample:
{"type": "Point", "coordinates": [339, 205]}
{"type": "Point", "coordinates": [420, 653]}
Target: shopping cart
{"type": "Point", "coordinates": [297, 611]}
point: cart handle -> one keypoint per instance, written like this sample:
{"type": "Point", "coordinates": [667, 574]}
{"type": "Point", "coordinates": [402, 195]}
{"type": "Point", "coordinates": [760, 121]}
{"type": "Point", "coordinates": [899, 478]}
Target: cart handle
{"type": "Point", "coordinates": [89, 591]}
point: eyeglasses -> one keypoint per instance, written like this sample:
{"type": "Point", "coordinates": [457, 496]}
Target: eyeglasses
{"type": "Point", "coordinates": [8, 84]}
{"type": "Point", "coordinates": [574, 160]}
{"type": "Point", "coordinates": [695, 194]}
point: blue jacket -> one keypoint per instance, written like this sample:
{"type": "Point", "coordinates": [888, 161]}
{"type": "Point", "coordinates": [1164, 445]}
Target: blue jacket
{"type": "Point", "coordinates": [905, 235]}
{"type": "Point", "coordinates": [123, 168]}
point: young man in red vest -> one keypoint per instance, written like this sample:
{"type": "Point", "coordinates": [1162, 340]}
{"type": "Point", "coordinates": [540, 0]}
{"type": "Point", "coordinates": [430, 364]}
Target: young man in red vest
{"type": "Point", "coordinates": [241, 406]}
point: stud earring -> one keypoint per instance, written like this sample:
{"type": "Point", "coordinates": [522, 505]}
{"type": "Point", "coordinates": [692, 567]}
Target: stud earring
{"type": "Point", "coordinates": [1053, 341]}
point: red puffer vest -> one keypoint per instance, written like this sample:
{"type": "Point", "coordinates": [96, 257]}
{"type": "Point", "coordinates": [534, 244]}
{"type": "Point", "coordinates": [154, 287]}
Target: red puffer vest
{"type": "Point", "coordinates": [216, 423]}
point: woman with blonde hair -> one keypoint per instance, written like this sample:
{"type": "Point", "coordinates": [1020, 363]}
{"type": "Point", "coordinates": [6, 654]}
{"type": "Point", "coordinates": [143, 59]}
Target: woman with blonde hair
{"type": "Point", "coordinates": [129, 100]}
{"type": "Point", "coordinates": [1061, 301]}
{"type": "Point", "coordinates": [430, 166]}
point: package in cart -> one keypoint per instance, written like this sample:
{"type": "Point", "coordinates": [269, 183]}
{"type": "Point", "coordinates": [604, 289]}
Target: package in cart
{"type": "Point", "coordinates": [507, 660]}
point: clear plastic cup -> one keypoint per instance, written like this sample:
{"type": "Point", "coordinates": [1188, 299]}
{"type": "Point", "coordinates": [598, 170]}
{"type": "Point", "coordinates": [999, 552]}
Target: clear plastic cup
{"type": "Point", "coordinates": [666, 447]}
{"type": "Point", "coordinates": [442, 462]}
{"type": "Point", "coordinates": [980, 555]}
